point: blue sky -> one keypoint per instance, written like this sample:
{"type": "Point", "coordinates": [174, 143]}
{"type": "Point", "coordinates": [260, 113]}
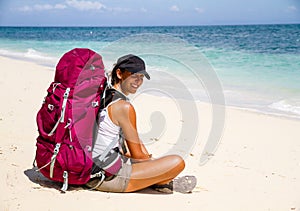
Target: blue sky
{"type": "Point", "coordinates": [145, 13]}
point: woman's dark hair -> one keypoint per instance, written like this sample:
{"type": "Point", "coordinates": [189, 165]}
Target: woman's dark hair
{"type": "Point", "coordinates": [114, 77]}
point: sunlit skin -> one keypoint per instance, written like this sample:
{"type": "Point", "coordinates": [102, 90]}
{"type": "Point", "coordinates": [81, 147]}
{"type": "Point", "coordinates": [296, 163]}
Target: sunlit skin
{"type": "Point", "coordinates": [147, 170]}
{"type": "Point", "coordinates": [131, 83]}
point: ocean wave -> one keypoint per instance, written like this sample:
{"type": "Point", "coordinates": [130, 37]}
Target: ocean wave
{"type": "Point", "coordinates": [4, 52]}
{"type": "Point", "coordinates": [34, 54]}
{"type": "Point", "coordinates": [285, 107]}
{"type": "Point", "coordinates": [31, 55]}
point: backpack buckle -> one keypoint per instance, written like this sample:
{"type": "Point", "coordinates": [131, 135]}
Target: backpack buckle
{"type": "Point", "coordinates": [65, 184]}
{"type": "Point", "coordinates": [92, 67]}
{"type": "Point", "coordinates": [95, 104]}
{"type": "Point", "coordinates": [50, 107]}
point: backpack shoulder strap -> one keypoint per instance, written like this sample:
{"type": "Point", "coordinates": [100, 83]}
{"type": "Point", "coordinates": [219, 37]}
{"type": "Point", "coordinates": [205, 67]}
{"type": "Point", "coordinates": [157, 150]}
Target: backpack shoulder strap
{"type": "Point", "coordinates": [111, 95]}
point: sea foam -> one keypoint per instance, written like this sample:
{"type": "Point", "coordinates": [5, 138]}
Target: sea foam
{"type": "Point", "coordinates": [30, 55]}
{"type": "Point", "coordinates": [286, 107]}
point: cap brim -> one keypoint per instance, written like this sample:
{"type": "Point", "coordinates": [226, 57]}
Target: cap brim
{"type": "Point", "coordinates": [145, 74]}
{"type": "Point", "coordinates": [142, 72]}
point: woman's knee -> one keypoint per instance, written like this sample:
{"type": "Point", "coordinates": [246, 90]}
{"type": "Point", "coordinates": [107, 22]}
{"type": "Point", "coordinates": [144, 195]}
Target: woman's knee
{"type": "Point", "coordinates": [177, 161]}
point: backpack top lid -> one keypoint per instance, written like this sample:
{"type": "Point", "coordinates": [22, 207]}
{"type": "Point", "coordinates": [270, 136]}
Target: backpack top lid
{"type": "Point", "coordinates": [72, 64]}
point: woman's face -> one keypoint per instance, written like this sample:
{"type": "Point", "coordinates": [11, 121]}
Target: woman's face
{"type": "Point", "coordinates": [130, 82]}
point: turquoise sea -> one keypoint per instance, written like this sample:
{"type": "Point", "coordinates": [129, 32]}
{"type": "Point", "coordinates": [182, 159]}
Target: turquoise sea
{"type": "Point", "coordinates": [258, 66]}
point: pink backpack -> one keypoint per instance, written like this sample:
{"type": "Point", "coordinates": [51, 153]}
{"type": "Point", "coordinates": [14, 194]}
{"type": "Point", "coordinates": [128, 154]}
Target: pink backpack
{"type": "Point", "coordinates": [67, 119]}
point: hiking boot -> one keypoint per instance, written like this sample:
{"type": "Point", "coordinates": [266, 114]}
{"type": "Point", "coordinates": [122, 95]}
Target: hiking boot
{"type": "Point", "coordinates": [184, 184]}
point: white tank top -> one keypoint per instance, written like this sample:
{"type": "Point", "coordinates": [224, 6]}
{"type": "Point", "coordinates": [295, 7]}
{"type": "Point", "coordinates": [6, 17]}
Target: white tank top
{"type": "Point", "coordinates": [107, 132]}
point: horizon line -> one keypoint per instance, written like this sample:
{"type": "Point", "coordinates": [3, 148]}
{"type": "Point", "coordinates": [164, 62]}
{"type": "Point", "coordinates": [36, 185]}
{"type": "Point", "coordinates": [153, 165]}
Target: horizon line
{"type": "Point", "coordinates": [167, 25]}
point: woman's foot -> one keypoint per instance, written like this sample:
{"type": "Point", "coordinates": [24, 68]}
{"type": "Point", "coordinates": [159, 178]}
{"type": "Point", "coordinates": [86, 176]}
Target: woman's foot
{"type": "Point", "coordinates": [184, 184]}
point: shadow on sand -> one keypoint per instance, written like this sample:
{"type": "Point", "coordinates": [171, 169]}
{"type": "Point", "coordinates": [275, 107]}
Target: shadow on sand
{"type": "Point", "coordinates": [38, 178]}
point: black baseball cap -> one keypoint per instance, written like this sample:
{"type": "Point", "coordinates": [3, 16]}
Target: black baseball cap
{"type": "Point", "coordinates": [133, 64]}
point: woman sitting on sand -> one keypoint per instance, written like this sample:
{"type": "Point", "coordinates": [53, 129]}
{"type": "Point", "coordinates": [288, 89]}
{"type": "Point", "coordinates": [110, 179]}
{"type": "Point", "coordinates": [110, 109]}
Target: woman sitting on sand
{"type": "Point", "coordinates": [140, 170]}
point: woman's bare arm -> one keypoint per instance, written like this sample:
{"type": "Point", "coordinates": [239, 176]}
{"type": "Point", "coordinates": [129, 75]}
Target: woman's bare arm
{"type": "Point", "coordinates": [123, 114]}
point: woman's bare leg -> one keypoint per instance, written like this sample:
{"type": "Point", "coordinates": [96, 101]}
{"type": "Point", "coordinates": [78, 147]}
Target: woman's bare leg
{"type": "Point", "coordinates": [158, 171]}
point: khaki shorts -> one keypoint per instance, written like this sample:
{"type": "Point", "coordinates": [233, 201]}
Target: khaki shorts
{"type": "Point", "coordinates": [118, 184]}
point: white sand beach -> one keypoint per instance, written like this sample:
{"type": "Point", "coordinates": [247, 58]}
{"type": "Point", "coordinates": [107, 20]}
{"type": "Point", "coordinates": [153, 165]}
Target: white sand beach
{"type": "Point", "coordinates": [256, 165]}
